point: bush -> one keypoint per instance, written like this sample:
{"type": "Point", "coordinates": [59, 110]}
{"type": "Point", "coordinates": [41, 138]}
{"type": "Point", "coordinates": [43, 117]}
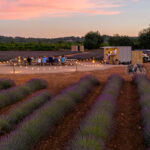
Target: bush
{"type": "Point", "coordinates": [6, 83]}
{"type": "Point", "coordinates": [97, 125]}
{"type": "Point", "coordinates": [22, 110]}
{"type": "Point", "coordinates": [43, 120]}
{"type": "Point", "coordinates": [143, 85]}
{"type": "Point", "coordinates": [12, 95]}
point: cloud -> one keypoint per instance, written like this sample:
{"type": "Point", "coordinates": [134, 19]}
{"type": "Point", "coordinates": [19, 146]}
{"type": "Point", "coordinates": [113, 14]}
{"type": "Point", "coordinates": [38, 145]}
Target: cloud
{"type": "Point", "coordinates": [135, 0]}
{"type": "Point", "coordinates": [25, 9]}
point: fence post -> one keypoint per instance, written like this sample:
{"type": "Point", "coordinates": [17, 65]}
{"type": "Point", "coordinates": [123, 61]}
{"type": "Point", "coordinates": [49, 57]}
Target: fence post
{"type": "Point", "coordinates": [14, 68]}
{"type": "Point", "coordinates": [76, 65]}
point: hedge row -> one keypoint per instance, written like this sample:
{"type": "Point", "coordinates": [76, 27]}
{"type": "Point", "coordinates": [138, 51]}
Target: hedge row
{"type": "Point", "coordinates": [14, 94]}
{"type": "Point", "coordinates": [6, 83]}
{"type": "Point", "coordinates": [96, 127]}
{"type": "Point", "coordinates": [22, 110]}
{"type": "Point", "coordinates": [43, 120]}
{"type": "Point", "coordinates": [143, 85]}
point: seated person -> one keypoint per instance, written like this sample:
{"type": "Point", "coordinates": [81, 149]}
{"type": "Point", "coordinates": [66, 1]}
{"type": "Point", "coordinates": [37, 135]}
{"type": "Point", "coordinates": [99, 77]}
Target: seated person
{"type": "Point", "coordinates": [62, 60]}
{"type": "Point", "coordinates": [44, 60]}
{"type": "Point", "coordinates": [56, 60]}
{"type": "Point", "coordinates": [130, 68]}
{"type": "Point", "coordinates": [50, 60]}
{"type": "Point", "coordinates": [29, 60]}
{"type": "Point", "coordinates": [39, 60]}
{"type": "Point", "coordinates": [135, 68]}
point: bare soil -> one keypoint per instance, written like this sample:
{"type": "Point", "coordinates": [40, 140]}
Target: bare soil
{"type": "Point", "coordinates": [127, 127]}
{"type": "Point", "coordinates": [70, 123]}
{"type": "Point", "coordinates": [128, 131]}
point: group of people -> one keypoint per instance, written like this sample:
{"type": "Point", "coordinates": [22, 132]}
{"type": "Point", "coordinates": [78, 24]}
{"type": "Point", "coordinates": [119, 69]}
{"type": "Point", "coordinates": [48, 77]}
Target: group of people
{"type": "Point", "coordinates": [47, 60]}
{"type": "Point", "coordinates": [112, 57]}
{"type": "Point", "coordinates": [134, 68]}
{"type": "Point", "coordinates": [114, 53]}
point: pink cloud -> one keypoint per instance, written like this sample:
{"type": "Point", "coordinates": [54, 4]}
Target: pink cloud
{"type": "Point", "coordinates": [25, 9]}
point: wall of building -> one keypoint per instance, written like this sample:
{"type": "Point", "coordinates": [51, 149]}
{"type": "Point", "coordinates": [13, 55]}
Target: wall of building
{"type": "Point", "coordinates": [137, 57]}
{"type": "Point", "coordinates": [124, 53]}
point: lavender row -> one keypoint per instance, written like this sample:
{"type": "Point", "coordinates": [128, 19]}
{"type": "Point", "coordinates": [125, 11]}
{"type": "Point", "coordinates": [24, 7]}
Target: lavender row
{"type": "Point", "coordinates": [96, 54]}
{"type": "Point", "coordinates": [143, 85]}
{"type": "Point", "coordinates": [14, 94]}
{"type": "Point", "coordinates": [7, 55]}
{"type": "Point", "coordinates": [97, 125]}
{"type": "Point", "coordinates": [35, 126]}
{"type": "Point", "coordinates": [22, 110]}
{"type": "Point", "coordinates": [6, 83]}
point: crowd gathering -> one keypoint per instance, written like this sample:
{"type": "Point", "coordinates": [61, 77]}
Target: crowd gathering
{"type": "Point", "coordinates": [45, 60]}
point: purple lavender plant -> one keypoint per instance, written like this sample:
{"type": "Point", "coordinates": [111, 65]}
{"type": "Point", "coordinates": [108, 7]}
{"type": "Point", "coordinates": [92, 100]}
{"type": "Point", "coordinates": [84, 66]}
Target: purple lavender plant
{"type": "Point", "coordinates": [43, 120]}
{"type": "Point", "coordinates": [14, 94]}
{"type": "Point", "coordinates": [22, 110]}
{"type": "Point", "coordinates": [6, 83]}
{"type": "Point", "coordinates": [143, 85]}
{"type": "Point", "coordinates": [97, 125]}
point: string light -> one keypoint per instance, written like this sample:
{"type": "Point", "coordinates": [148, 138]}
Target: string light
{"type": "Point", "coordinates": [91, 64]}
{"type": "Point", "coordinates": [93, 61]}
{"type": "Point", "coordinates": [19, 59]}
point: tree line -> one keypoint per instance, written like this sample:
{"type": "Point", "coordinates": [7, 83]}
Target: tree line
{"type": "Point", "coordinates": [35, 46]}
{"type": "Point", "coordinates": [6, 39]}
{"type": "Point", "coordinates": [92, 40]}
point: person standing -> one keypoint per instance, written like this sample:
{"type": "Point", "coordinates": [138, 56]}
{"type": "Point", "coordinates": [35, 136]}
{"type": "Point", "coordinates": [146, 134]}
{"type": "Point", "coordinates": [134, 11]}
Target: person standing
{"type": "Point", "coordinates": [115, 52]}
{"type": "Point", "coordinates": [108, 56]}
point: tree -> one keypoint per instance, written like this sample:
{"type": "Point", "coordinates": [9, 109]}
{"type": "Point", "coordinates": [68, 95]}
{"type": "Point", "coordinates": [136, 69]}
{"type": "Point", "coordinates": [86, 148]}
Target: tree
{"type": "Point", "coordinates": [144, 38]}
{"type": "Point", "coordinates": [93, 40]}
{"type": "Point", "coordinates": [121, 41]}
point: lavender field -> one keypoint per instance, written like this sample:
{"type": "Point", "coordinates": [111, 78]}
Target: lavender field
{"type": "Point", "coordinates": [96, 54]}
{"type": "Point", "coordinates": [7, 55]}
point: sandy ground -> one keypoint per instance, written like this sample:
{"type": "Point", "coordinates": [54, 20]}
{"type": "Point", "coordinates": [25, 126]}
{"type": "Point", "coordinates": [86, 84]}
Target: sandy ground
{"type": "Point", "coordinates": [7, 69]}
{"type": "Point", "coordinates": [58, 81]}
{"type": "Point", "coordinates": [127, 126]}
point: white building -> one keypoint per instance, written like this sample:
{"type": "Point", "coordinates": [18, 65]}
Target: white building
{"type": "Point", "coordinates": [121, 53]}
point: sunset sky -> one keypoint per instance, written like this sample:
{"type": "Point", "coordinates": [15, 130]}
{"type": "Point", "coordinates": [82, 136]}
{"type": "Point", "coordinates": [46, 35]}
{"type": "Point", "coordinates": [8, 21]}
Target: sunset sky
{"type": "Point", "coordinates": [59, 18]}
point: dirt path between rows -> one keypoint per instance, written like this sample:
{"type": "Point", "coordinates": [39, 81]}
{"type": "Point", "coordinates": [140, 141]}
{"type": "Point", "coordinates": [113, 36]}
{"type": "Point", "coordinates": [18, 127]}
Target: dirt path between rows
{"type": "Point", "coordinates": [63, 132]}
{"type": "Point", "coordinates": [128, 132]}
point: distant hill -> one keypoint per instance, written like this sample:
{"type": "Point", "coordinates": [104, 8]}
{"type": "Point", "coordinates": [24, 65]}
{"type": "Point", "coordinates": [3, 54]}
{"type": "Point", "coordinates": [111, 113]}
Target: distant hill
{"type": "Point", "coordinates": [5, 39]}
